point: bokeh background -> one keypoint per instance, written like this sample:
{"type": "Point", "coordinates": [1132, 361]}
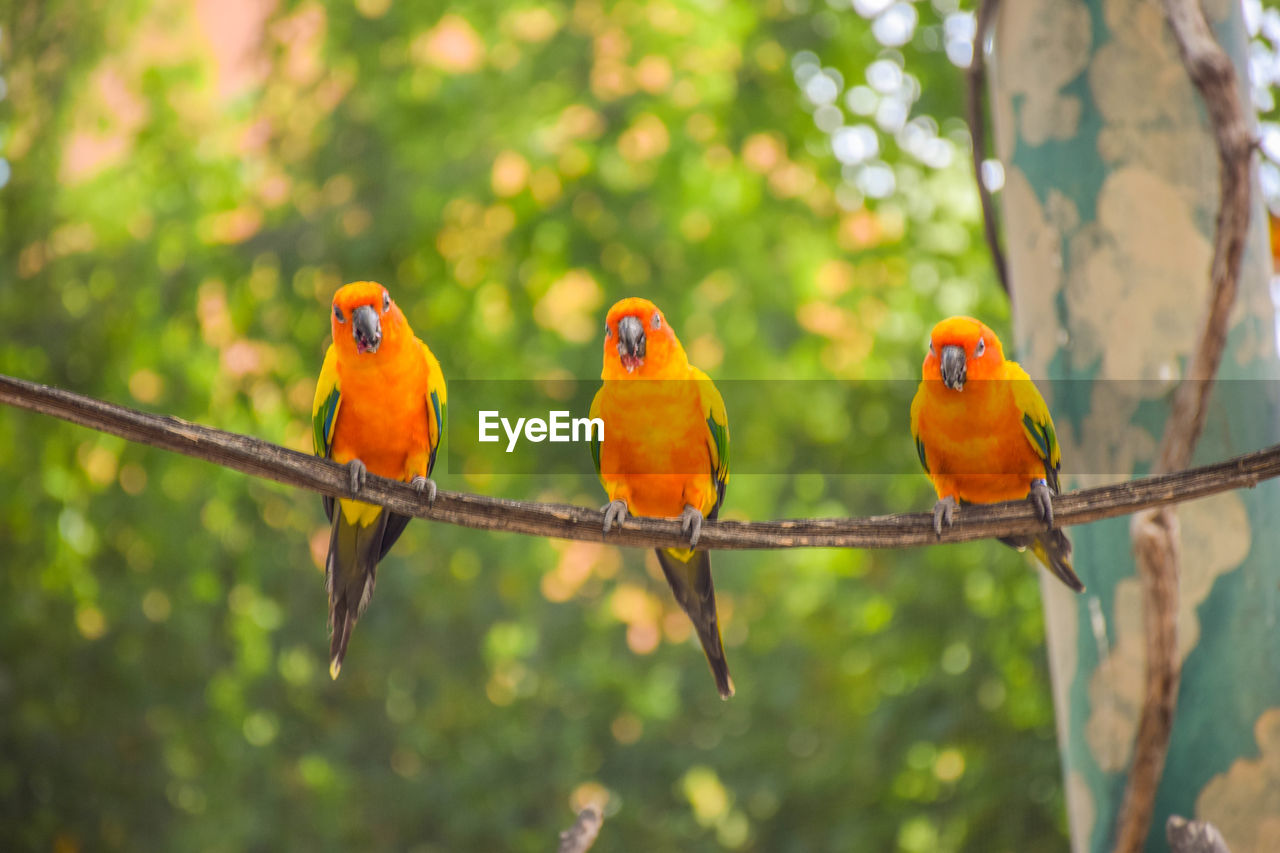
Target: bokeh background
{"type": "Point", "coordinates": [182, 188]}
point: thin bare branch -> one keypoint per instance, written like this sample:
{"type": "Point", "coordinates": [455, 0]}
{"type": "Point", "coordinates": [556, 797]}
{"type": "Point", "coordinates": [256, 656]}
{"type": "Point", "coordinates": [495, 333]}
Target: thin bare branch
{"type": "Point", "coordinates": [1193, 836]}
{"type": "Point", "coordinates": [1155, 533]}
{"type": "Point", "coordinates": [579, 837]}
{"type": "Point", "coordinates": [1213, 74]}
{"type": "Point", "coordinates": [1155, 544]}
{"type": "Point", "coordinates": [975, 115]}
{"type": "Point", "coordinates": [903, 530]}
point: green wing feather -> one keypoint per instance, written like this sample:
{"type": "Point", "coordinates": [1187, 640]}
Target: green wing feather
{"type": "Point", "coordinates": [1051, 547]}
{"type": "Point", "coordinates": [324, 408]}
{"type": "Point", "coordinates": [324, 414]}
{"type": "Point", "coordinates": [916, 405]}
{"type": "Point", "coordinates": [595, 442]}
{"type": "Point", "coordinates": [717, 418]}
{"type": "Point", "coordinates": [1037, 423]}
{"type": "Point", "coordinates": [437, 403]}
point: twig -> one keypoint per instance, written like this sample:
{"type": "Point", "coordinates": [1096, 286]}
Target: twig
{"type": "Point", "coordinates": [1155, 532]}
{"type": "Point", "coordinates": [903, 530]}
{"type": "Point", "coordinates": [975, 116]}
{"type": "Point", "coordinates": [1193, 836]}
{"type": "Point", "coordinates": [579, 837]}
{"type": "Point", "coordinates": [1214, 75]}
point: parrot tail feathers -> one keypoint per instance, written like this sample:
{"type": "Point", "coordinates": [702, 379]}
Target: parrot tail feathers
{"type": "Point", "coordinates": [350, 574]}
{"type": "Point", "coordinates": [690, 580]}
{"type": "Point", "coordinates": [343, 621]}
{"type": "Point", "coordinates": [395, 526]}
{"type": "Point", "coordinates": [1053, 549]}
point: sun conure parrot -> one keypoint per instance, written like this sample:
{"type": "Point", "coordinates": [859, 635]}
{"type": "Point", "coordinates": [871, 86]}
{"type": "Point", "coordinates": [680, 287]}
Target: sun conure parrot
{"type": "Point", "coordinates": [379, 406]}
{"type": "Point", "coordinates": [984, 434]}
{"type": "Point", "coordinates": [665, 453]}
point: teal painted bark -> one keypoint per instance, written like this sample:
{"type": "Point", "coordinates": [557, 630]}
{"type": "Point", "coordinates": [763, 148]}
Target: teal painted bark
{"type": "Point", "coordinates": [1109, 207]}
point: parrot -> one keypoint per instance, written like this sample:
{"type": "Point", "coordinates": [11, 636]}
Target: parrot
{"type": "Point", "coordinates": [664, 453]}
{"type": "Point", "coordinates": [983, 441]}
{"type": "Point", "coordinates": [379, 406]}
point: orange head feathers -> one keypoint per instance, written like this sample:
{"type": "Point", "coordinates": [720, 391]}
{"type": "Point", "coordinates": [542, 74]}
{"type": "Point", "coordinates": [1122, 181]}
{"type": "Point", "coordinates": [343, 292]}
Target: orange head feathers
{"type": "Point", "coordinates": [960, 349]}
{"type": "Point", "coordinates": [365, 321]}
{"type": "Point", "coordinates": [639, 344]}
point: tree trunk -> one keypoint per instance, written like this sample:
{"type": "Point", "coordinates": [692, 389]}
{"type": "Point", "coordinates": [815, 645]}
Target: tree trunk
{"type": "Point", "coordinates": [1109, 205]}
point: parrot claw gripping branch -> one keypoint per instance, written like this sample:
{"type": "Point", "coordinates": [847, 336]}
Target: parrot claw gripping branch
{"type": "Point", "coordinates": [358, 474]}
{"type": "Point", "coordinates": [425, 484]}
{"type": "Point", "coordinates": [615, 515]}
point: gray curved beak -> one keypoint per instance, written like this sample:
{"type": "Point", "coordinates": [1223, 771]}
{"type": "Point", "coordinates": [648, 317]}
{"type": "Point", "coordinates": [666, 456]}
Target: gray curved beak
{"type": "Point", "coordinates": [953, 367]}
{"type": "Point", "coordinates": [631, 344]}
{"type": "Point", "coordinates": [366, 328]}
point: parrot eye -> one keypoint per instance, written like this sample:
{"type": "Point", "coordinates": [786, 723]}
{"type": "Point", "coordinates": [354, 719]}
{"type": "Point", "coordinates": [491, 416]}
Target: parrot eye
{"type": "Point", "coordinates": [337, 314]}
{"type": "Point", "coordinates": [656, 322]}
{"type": "Point", "coordinates": [608, 333]}
{"type": "Point", "coordinates": [979, 348]}
{"type": "Point", "coordinates": [386, 302]}
{"type": "Point", "coordinates": [931, 349]}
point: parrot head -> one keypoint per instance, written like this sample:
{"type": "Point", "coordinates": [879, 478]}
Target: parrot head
{"type": "Point", "coordinates": [960, 349]}
{"type": "Point", "coordinates": [365, 319]}
{"type": "Point", "coordinates": [637, 340]}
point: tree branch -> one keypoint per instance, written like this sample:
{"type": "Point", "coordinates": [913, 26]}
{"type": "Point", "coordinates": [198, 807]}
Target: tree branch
{"type": "Point", "coordinates": [1155, 532]}
{"type": "Point", "coordinates": [903, 530]}
{"type": "Point", "coordinates": [975, 116]}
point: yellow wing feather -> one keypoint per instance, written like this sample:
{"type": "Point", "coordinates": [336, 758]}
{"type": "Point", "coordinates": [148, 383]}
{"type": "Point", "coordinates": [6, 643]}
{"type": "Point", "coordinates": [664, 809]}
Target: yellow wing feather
{"type": "Point", "coordinates": [717, 418]}
{"type": "Point", "coordinates": [917, 404]}
{"type": "Point", "coordinates": [595, 442]}
{"type": "Point", "coordinates": [437, 401]}
{"type": "Point", "coordinates": [324, 408]}
{"type": "Point", "coordinates": [1037, 423]}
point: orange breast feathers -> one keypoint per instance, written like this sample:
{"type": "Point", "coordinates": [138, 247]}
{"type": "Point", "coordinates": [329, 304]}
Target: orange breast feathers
{"type": "Point", "coordinates": [975, 446]}
{"type": "Point", "coordinates": [383, 420]}
{"type": "Point", "coordinates": [655, 455]}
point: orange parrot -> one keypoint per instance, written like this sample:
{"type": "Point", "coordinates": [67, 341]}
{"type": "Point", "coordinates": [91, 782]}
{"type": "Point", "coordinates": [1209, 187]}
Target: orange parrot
{"type": "Point", "coordinates": [664, 454]}
{"type": "Point", "coordinates": [984, 434]}
{"type": "Point", "coordinates": [379, 407]}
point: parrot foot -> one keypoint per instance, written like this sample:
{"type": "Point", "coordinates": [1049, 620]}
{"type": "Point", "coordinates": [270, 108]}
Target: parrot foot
{"type": "Point", "coordinates": [615, 512]}
{"type": "Point", "coordinates": [691, 524]}
{"type": "Point", "coordinates": [425, 484]}
{"type": "Point", "coordinates": [1042, 499]}
{"type": "Point", "coordinates": [357, 473]}
{"type": "Point", "coordinates": [944, 514]}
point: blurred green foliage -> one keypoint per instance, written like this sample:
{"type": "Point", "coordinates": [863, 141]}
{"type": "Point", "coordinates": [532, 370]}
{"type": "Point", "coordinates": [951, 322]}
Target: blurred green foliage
{"type": "Point", "coordinates": [187, 184]}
